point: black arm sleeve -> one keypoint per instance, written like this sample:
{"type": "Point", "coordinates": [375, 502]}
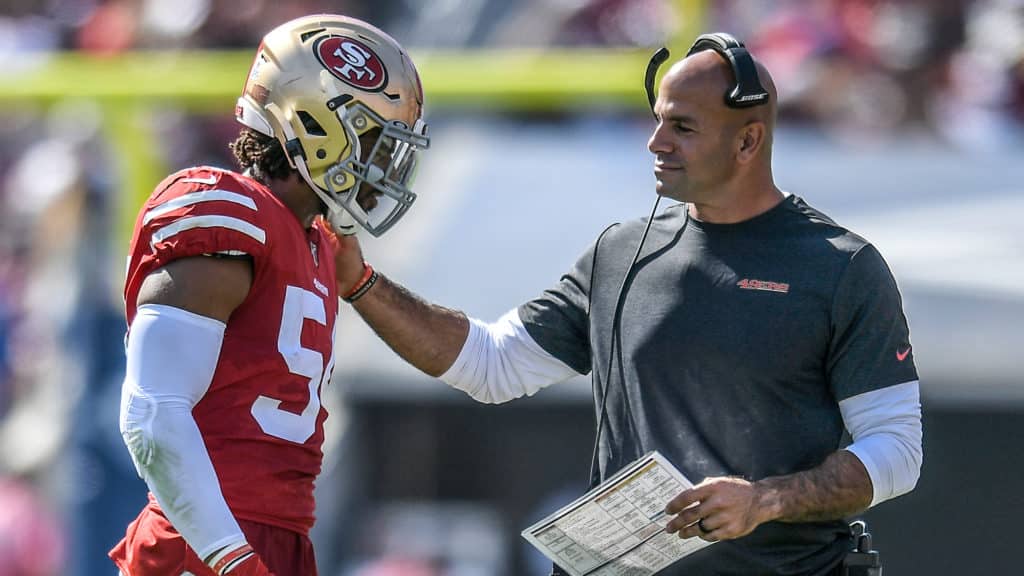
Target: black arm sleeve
{"type": "Point", "coordinates": [559, 319]}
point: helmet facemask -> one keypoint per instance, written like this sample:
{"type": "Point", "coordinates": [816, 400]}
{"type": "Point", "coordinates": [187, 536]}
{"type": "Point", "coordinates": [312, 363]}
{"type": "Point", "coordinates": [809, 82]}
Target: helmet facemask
{"type": "Point", "coordinates": [372, 183]}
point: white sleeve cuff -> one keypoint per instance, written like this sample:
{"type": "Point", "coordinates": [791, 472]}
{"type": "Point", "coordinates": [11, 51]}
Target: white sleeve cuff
{"type": "Point", "coordinates": [172, 355]}
{"type": "Point", "coordinates": [886, 428]}
{"type": "Point", "coordinates": [501, 361]}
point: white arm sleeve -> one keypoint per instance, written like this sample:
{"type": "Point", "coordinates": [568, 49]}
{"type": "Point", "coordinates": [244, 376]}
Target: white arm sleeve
{"type": "Point", "coordinates": [886, 428]}
{"type": "Point", "coordinates": [500, 362]}
{"type": "Point", "coordinates": [172, 355]}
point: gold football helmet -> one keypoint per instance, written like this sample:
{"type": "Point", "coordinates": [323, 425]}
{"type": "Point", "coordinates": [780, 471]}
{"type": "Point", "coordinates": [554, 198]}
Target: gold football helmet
{"type": "Point", "coordinates": [345, 101]}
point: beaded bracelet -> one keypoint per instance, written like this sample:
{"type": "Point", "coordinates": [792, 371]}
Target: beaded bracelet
{"type": "Point", "coordinates": [363, 285]}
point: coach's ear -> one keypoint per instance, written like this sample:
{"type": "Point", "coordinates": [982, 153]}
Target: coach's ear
{"type": "Point", "coordinates": [750, 140]}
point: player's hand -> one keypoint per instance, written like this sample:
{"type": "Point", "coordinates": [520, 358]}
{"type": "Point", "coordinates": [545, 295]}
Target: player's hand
{"type": "Point", "coordinates": [348, 260]}
{"type": "Point", "coordinates": [717, 509]}
{"type": "Point", "coordinates": [251, 567]}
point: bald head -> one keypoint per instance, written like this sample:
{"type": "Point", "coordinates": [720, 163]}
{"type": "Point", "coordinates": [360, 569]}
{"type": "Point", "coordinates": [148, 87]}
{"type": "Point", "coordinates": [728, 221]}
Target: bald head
{"type": "Point", "coordinates": [712, 73]}
{"type": "Point", "coordinates": [706, 152]}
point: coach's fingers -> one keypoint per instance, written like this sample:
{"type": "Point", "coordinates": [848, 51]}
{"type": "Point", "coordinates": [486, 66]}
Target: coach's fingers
{"type": "Point", "coordinates": [687, 498]}
{"type": "Point", "coordinates": [704, 528]}
{"type": "Point", "coordinates": [685, 518]}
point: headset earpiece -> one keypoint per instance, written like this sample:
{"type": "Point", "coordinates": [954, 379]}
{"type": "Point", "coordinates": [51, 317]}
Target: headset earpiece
{"type": "Point", "coordinates": [747, 90]}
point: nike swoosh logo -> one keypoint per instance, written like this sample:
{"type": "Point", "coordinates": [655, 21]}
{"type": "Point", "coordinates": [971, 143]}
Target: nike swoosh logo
{"type": "Point", "coordinates": [208, 181]}
{"type": "Point", "coordinates": [901, 356]}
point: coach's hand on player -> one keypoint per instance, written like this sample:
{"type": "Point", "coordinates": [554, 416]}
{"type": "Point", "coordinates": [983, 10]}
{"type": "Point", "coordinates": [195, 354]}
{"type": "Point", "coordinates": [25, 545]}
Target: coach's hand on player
{"type": "Point", "coordinates": [348, 259]}
{"type": "Point", "coordinates": [721, 508]}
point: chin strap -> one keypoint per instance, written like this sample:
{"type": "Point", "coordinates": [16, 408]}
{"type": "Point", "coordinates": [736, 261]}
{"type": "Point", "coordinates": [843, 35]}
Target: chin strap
{"type": "Point", "coordinates": [342, 222]}
{"type": "Point", "coordinates": [338, 217]}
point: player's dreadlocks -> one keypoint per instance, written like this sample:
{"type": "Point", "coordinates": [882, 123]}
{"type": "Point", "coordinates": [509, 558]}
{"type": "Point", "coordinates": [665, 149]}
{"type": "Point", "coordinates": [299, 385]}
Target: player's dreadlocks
{"type": "Point", "coordinates": [261, 155]}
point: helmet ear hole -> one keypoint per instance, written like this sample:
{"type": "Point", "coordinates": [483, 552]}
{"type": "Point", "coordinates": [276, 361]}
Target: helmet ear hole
{"type": "Point", "coordinates": [313, 128]}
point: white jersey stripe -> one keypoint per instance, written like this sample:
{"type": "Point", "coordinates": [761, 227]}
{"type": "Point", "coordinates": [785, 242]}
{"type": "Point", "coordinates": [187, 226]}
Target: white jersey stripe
{"type": "Point", "coordinates": [196, 198]}
{"type": "Point", "coordinates": [209, 221]}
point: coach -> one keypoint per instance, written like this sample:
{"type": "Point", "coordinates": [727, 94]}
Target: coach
{"type": "Point", "coordinates": [745, 336]}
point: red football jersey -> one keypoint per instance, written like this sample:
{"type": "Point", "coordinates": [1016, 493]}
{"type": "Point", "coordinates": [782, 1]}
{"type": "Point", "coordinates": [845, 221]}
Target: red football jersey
{"type": "Point", "coordinates": [261, 418]}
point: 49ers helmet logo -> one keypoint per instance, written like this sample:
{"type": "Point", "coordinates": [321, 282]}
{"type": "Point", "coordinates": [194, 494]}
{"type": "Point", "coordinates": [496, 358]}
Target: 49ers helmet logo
{"type": "Point", "coordinates": [352, 62]}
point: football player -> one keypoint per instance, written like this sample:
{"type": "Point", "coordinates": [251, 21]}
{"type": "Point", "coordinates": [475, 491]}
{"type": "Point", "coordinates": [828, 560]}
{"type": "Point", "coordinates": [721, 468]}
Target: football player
{"type": "Point", "coordinates": [231, 301]}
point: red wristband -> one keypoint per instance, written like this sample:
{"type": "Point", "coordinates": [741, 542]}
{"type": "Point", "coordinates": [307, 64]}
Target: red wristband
{"type": "Point", "coordinates": [368, 279]}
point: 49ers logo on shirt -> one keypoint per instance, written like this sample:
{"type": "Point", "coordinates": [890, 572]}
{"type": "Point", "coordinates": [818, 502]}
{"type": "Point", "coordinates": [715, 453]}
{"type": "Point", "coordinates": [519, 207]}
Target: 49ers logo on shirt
{"type": "Point", "coordinates": [751, 284]}
{"type": "Point", "coordinates": [352, 62]}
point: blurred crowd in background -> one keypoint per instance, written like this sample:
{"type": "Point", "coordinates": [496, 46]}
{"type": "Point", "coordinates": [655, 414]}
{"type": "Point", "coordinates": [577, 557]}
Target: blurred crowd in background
{"type": "Point", "coordinates": [953, 67]}
{"type": "Point", "coordinates": [857, 70]}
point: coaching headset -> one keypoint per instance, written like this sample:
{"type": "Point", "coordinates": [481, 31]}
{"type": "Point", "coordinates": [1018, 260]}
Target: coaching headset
{"type": "Point", "coordinates": [745, 92]}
